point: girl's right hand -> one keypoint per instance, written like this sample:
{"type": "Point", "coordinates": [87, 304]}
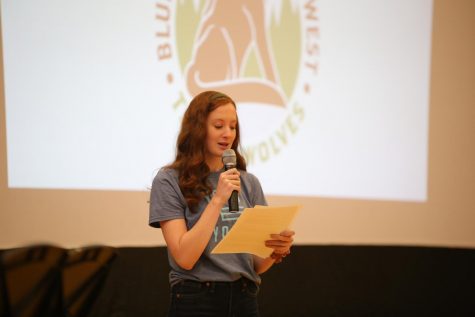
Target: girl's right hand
{"type": "Point", "coordinates": [228, 182]}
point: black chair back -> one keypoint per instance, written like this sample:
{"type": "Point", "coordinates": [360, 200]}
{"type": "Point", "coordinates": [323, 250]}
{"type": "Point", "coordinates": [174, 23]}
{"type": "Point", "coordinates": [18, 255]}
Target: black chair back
{"type": "Point", "coordinates": [83, 276]}
{"type": "Point", "coordinates": [31, 281]}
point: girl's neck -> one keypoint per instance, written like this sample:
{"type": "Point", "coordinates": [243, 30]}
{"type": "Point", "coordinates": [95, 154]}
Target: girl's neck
{"type": "Point", "coordinates": [215, 164]}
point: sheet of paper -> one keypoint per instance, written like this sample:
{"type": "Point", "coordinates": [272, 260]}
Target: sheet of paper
{"type": "Point", "coordinates": [254, 227]}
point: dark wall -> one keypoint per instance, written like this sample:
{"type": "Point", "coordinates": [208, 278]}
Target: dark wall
{"type": "Point", "coordinates": [316, 281]}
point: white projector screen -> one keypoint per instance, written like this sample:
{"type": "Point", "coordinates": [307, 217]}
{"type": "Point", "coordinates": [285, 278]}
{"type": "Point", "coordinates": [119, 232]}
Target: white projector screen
{"type": "Point", "coordinates": [95, 91]}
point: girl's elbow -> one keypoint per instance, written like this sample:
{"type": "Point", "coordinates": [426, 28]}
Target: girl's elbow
{"type": "Point", "coordinates": [186, 264]}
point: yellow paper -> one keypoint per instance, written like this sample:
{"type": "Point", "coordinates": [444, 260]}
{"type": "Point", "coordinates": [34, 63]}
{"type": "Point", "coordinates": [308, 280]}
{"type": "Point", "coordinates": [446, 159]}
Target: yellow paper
{"type": "Point", "coordinates": [254, 227]}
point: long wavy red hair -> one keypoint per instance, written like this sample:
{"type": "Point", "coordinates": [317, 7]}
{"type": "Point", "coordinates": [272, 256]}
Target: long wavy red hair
{"type": "Point", "coordinates": [191, 147]}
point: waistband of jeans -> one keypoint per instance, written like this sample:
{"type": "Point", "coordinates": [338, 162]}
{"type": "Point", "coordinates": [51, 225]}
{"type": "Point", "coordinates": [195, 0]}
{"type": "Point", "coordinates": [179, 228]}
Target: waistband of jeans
{"type": "Point", "coordinates": [243, 281]}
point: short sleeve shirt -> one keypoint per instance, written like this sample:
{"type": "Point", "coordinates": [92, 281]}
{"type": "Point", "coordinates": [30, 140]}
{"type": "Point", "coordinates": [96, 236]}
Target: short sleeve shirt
{"type": "Point", "coordinates": [167, 202]}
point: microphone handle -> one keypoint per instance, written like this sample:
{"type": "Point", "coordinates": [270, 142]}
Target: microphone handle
{"type": "Point", "coordinates": [233, 202]}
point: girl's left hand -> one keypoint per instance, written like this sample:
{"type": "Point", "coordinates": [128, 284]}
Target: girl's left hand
{"type": "Point", "coordinates": [281, 243]}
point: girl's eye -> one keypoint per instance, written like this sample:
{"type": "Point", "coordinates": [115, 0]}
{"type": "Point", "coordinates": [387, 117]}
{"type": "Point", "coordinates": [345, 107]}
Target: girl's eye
{"type": "Point", "coordinates": [218, 126]}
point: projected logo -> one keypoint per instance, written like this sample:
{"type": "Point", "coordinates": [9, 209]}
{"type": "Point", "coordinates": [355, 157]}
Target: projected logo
{"type": "Point", "coordinates": [264, 54]}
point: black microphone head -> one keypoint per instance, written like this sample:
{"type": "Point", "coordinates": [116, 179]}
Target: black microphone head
{"type": "Point", "coordinates": [229, 158]}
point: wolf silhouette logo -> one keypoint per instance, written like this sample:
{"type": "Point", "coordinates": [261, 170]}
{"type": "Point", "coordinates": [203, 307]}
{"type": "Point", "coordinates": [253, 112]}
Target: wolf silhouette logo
{"type": "Point", "coordinates": [227, 32]}
{"type": "Point", "coordinates": [263, 53]}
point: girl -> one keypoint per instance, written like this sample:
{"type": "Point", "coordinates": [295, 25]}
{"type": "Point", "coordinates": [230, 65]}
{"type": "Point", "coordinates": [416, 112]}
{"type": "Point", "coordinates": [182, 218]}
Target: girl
{"type": "Point", "coordinates": [189, 203]}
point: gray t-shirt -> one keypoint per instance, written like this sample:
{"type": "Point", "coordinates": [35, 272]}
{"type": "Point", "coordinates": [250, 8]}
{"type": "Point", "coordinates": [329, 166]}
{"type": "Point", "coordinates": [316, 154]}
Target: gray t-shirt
{"type": "Point", "coordinates": [167, 202]}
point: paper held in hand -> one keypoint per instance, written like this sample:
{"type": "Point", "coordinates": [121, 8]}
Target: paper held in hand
{"type": "Point", "coordinates": [254, 227]}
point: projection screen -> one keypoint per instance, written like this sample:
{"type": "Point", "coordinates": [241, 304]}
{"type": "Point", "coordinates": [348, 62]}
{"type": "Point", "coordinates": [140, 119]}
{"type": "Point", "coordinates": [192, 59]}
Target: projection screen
{"type": "Point", "coordinates": [332, 96]}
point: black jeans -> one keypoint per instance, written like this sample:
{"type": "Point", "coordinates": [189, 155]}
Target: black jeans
{"type": "Point", "coordinates": [214, 299]}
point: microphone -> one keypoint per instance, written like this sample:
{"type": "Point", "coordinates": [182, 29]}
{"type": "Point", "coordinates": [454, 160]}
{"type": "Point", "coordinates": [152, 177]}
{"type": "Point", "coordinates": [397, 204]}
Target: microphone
{"type": "Point", "coordinates": [229, 161]}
